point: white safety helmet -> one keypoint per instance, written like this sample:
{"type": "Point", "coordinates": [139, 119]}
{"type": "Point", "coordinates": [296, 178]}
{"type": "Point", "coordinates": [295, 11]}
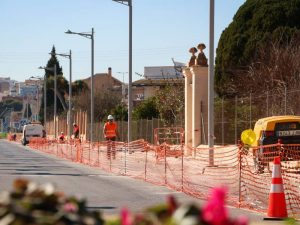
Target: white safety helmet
{"type": "Point", "coordinates": [110, 117]}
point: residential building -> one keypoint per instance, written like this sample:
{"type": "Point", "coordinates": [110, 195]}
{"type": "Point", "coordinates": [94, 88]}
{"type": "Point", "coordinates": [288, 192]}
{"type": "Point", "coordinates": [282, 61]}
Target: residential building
{"type": "Point", "coordinates": [106, 82]}
{"type": "Point", "coordinates": [6, 86]}
{"type": "Point", "coordinates": [155, 78]}
{"type": "Point", "coordinates": [28, 91]}
{"type": "Point", "coordinates": [31, 93]}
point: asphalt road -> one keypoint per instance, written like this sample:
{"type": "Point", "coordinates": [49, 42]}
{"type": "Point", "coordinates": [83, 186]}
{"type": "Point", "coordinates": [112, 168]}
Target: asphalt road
{"type": "Point", "coordinates": [103, 191]}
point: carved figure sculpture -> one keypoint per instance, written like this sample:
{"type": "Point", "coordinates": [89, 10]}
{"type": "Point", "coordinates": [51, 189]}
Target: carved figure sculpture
{"type": "Point", "coordinates": [201, 58]}
{"type": "Point", "coordinates": [192, 61]}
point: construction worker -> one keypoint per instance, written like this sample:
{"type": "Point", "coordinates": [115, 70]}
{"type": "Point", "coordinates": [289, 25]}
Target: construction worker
{"type": "Point", "coordinates": [75, 131]}
{"type": "Point", "coordinates": [75, 135]}
{"type": "Point", "coordinates": [110, 133]}
{"type": "Point", "coordinates": [61, 137]}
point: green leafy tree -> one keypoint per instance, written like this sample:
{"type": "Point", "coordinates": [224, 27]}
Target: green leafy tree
{"type": "Point", "coordinates": [79, 86]}
{"type": "Point", "coordinates": [146, 109]}
{"type": "Point", "coordinates": [254, 25]}
{"type": "Point", "coordinates": [10, 103]}
{"type": "Point", "coordinates": [170, 103]}
{"type": "Point", "coordinates": [120, 112]}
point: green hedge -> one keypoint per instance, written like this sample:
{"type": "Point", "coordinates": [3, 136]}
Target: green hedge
{"type": "Point", "coordinates": [3, 135]}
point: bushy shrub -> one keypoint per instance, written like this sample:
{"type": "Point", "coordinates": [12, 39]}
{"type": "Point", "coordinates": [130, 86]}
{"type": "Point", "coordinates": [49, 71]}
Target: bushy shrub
{"type": "Point", "coordinates": [29, 203]}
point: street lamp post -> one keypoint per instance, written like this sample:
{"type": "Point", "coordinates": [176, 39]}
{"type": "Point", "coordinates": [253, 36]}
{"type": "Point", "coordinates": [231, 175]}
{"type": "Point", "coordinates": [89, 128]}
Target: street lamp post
{"type": "Point", "coordinates": [45, 97]}
{"type": "Point", "coordinates": [55, 100]}
{"type": "Point", "coordinates": [70, 91]}
{"type": "Point", "coordinates": [37, 103]}
{"type": "Point", "coordinates": [211, 83]}
{"type": "Point", "coordinates": [89, 36]}
{"type": "Point", "coordinates": [45, 101]}
{"type": "Point", "coordinates": [129, 4]}
{"type": "Point", "coordinates": [53, 69]}
{"type": "Point", "coordinates": [38, 95]}
{"type": "Point", "coordinates": [27, 103]}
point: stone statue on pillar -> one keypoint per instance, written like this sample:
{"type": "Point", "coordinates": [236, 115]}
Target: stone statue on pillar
{"type": "Point", "coordinates": [196, 98]}
{"type": "Point", "coordinates": [201, 58]}
{"type": "Point", "coordinates": [193, 58]}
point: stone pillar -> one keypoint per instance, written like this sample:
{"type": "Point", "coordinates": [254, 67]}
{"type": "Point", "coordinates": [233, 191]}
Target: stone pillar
{"type": "Point", "coordinates": [196, 93]}
{"type": "Point", "coordinates": [188, 106]}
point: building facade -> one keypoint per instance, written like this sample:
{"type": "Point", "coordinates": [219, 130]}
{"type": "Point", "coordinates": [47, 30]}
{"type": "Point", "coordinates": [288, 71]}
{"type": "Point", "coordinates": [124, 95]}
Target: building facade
{"type": "Point", "coordinates": [155, 78]}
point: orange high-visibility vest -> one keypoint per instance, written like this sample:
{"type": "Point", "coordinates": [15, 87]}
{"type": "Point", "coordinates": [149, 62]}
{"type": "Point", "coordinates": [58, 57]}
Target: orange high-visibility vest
{"type": "Point", "coordinates": [110, 129]}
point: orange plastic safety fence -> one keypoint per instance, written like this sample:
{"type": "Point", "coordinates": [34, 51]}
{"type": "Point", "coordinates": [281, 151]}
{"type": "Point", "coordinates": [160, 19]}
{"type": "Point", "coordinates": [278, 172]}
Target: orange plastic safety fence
{"type": "Point", "coordinates": [169, 135]}
{"type": "Point", "coordinates": [207, 169]}
{"type": "Point", "coordinates": [246, 172]}
{"type": "Point", "coordinates": [257, 164]}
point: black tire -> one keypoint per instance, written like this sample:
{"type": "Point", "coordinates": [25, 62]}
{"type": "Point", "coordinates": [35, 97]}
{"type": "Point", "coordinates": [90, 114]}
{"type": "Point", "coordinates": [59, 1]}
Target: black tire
{"type": "Point", "coordinates": [24, 142]}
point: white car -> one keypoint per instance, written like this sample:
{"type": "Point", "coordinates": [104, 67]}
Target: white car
{"type": "Point", "coordinates": [32, 130]}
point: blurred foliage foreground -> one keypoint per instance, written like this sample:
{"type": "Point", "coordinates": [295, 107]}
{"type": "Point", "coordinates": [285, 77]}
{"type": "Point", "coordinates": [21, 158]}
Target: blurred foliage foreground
{"type": "Point", "coordinates": [29, 203]}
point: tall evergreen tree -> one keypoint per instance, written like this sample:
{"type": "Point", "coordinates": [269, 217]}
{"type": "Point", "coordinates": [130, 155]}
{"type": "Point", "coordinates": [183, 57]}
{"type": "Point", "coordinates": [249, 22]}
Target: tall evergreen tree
{"type": "Point", "coordinates": [62, 88]}
{"type": "Point", "coordinates": [253, 26]}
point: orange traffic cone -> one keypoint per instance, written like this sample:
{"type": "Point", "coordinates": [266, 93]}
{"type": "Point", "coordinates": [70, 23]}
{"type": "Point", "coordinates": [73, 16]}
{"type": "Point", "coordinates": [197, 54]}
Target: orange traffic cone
{"type": "Point", "coordinates": [277, 206]}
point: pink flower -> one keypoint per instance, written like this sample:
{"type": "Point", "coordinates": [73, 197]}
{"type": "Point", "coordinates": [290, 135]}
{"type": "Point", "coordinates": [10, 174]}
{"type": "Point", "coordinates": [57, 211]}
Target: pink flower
{"type": "Point", "coordinates": [70, 207]}
{"type": "Point", "coordinates": [214, 212]}
{"type": "Point", "coordinates": [125, 217]}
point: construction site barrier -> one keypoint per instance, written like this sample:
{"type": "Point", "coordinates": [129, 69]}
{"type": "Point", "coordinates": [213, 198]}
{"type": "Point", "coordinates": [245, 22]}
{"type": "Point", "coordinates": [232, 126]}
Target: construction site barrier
{"type": "Point", "coordinates": [256, 174]}
{"type": "Point", "coordinates": [245, 171]}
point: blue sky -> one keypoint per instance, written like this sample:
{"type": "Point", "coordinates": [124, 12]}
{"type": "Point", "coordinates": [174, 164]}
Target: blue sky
{"type": "Point", "coordinates": [162, 30]}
